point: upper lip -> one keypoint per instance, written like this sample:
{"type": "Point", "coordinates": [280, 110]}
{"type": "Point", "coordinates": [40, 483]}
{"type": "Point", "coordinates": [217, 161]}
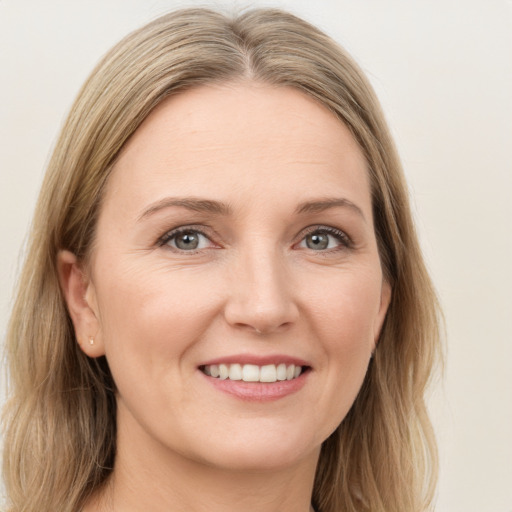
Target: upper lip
{"type": "Point", "coordinates": [259, 360]}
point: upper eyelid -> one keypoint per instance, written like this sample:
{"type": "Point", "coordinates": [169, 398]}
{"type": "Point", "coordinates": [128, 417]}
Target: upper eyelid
{"type": "Point", "coordinates": [322, 227]}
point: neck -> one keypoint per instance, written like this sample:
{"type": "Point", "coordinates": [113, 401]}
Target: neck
{"type": "Point", "coordinates": [148, 477]}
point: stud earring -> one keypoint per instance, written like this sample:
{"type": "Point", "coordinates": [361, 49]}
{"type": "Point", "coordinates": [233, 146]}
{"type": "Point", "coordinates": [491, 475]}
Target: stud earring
{"type": "Point", "coordinates": [91, 340]}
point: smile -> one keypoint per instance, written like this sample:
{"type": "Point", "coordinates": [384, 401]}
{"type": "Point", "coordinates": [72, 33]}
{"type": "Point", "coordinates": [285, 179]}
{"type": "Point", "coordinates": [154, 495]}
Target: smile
{"type": "Point", "coordinates": [253, 373]}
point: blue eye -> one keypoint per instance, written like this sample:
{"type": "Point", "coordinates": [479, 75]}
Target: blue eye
{"type": "Point", "coordinates": [186, 240]}
{"type": "Point", "coordinates": [324, 239]}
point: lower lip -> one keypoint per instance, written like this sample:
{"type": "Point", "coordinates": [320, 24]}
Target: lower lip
{"type": "Point", "coordinates": [258, 391]}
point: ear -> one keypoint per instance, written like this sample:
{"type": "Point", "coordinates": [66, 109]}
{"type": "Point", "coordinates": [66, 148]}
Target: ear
{"type": "Point", "coordinates": [80, 296]}
{"type": "Point", "coordinates": [385, 299]}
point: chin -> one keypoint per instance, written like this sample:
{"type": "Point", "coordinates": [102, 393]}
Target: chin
{"type": "Point", "coordinates": [261, 451]}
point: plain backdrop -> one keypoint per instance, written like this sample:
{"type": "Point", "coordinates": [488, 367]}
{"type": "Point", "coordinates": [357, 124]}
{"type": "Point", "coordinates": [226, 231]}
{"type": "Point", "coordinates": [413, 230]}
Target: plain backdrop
{"type": "Point", "coordinates": [443, 71]}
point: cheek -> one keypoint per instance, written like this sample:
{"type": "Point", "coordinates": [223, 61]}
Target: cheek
{"type": "Point", "coordinates": [345, 306]}
{"type": "Point", "coordinates": [154, 313]}
{"type": "Point", "coordinates": [344, 317]}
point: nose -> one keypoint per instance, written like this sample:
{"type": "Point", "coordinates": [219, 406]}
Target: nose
{"type": "Point", "coordinates": [261, 294]}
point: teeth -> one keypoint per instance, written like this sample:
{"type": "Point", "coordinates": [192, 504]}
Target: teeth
{"type": "Point", "coordinates": [223, 371]}
{"type": "Point", "coordinates": [268, 373]}
{"type": "Point", "coordinates": [281, 372]}
{"type": "Point", "coordinates": [252, 372]}
{"type": "Point", "coordinates": [235, 372]}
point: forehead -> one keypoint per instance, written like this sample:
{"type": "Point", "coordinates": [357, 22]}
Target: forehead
{"type": "Point", "coordinates": [247, 138]}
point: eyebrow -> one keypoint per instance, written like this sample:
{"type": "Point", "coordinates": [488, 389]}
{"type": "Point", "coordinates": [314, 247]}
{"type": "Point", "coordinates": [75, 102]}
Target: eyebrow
{"type": "Point", "coordinates": [190, 203]}
{"type": "Point", "coordinates": [328, 203]}
{"type": "Point", "coordinates": [219, 208]}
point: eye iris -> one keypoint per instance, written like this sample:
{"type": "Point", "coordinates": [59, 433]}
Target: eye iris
{"type": "Point", "coordinates": [187, 241]}
{"type": "Point", "coordinates": [317, 241]}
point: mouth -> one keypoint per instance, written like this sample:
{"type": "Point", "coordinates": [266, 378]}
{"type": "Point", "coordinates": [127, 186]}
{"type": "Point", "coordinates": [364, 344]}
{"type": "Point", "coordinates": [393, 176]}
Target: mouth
{"type": "Point", "coordinates": [267, 373]}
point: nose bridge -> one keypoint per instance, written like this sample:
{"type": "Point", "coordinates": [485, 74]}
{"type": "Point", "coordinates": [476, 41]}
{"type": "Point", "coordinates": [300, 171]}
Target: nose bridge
{"type": "Point", "coordinates": [261, 295]}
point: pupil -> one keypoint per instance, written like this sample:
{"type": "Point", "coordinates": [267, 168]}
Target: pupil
{"type": "Point", "coordinates": [317, 241]}
{"type": "Point", "coordinates": [187, 241]}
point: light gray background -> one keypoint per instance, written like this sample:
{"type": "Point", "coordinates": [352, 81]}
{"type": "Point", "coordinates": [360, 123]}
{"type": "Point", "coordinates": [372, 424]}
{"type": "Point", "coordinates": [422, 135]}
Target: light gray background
{"type": "Point", "coordinates": [443, 70]}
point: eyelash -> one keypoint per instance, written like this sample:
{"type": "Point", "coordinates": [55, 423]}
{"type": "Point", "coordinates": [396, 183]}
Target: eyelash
{"type": "Point", "coordinates": [170, 235]}
{"type": "Point", "coordinates": [342, 237]}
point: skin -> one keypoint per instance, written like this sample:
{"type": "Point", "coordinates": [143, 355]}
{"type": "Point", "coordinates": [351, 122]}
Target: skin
{"type": "Point", "coordinates": [254, 286]}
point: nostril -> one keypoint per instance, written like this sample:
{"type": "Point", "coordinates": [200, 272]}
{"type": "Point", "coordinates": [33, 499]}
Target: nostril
{"type": "Point", "coordinates": [263, 330]}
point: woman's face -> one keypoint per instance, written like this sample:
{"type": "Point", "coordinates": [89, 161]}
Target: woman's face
{"type": "Point", "coordinates": [236, 238]}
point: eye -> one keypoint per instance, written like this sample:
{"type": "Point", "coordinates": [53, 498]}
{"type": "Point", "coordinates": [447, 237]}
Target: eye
{"type": "Point", "coordinates": [186, 239]}
{"type": "Point", "coordinates": [322, 239]}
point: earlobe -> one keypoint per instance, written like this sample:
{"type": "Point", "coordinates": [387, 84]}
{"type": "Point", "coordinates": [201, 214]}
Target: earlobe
{"type": "Point", "coordinates": [80, 297]}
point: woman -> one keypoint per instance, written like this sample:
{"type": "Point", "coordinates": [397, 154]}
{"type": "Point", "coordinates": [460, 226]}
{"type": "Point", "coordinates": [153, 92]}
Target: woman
{"type": "Point", "coordinates": [224, 303]}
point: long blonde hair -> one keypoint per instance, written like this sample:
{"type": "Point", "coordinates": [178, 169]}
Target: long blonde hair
{"type": "Point", "coordinates": [60, 419]}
